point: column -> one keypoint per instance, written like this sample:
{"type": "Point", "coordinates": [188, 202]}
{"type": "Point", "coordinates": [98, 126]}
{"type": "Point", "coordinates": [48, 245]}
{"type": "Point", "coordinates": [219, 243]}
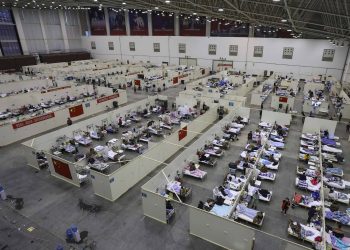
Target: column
{"type": "Point", "coordinates": [149, 16]}
{"type": "Point", "coordinates": [251, 30]}
{"type": "Point", "coordinates": [177, 24]}
{"type": "Point", "coordinates": [43, 31]}
{"type": "Point", "coordinates": [207, 28]}
{"type": "Point", "coordinates": [127, 23]}
{"type": "Point", "coordinates": [20, 31]}
{"type": "Point", "coordinates": [64, 30]}
{"type": "Point", "coordinates": [88, 22]}
{"type": "Point", "coordinates": [346, 67]}
{"type": "Point", "coordinates": [107, 21]}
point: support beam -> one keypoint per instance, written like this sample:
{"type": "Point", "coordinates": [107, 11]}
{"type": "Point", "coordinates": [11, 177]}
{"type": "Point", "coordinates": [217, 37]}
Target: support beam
{"type": "Point", "coordinates": [64, 30]}
{"type": "Point", "coordinates": [20, 31]}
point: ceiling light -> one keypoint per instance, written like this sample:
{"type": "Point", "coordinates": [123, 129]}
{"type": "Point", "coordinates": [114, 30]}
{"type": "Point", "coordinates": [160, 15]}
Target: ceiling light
{"type": "Point", "coordinates": [276, 1]}
{"type": "Point", "coordinates": [156, 8]}
{"type": "Point", "coordinates": [194, 13]}
{"type": "Point", "coordinates": [167, 1]}
{"type": "Point", "coordinates": [289, 30]}
{"type": "Point", "coordinates": [284, 20]}
{"type": "Point", "coordinates": [124, 3]}
{"type": "Point", "coordinates": [221, 10]}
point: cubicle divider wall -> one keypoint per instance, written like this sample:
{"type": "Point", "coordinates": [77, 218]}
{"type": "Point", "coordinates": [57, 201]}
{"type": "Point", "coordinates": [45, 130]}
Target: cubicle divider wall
{"type": "Point", "coordinates": [279, 118]}
{"type": "Point", "coordinates": [314, 125]}
{"type": "Point", "coordinates": [245, 88]}
{"type": "Point", "coordinates": [112, 186]}
{"type": "Point", "coordinates": [258, 96]}
{"type": "Point", "coordinates": [313, 87]}
{"type": "Point", "coordinates": [281, 102]}
{"type": "Point", "coordinates": [25, 128]}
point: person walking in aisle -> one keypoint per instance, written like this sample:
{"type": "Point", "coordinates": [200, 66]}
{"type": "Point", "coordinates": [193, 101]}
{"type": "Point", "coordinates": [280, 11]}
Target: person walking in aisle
{"type": "Point", "coordinates": [340, 116]}
{"type": "Point", "coordinates": [348, 127]}
{"type": "Point", "coordinates": [285, 205]}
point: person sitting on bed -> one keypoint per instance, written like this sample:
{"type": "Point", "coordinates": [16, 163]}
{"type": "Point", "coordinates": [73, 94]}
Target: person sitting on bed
{"type": "Point", "coordinates": [326, 134]}
{"type": "Point", "coordinates": [306, 157]}
{"type": "Point", "coordinates": [192, 166]}
{"type": "Point", "coordinates": [272, 159]}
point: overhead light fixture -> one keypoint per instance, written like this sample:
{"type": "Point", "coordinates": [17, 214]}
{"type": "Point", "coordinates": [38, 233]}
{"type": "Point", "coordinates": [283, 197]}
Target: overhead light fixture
{"type": "Point", "coordinates": [156, 8]}
{"type": "Point", "coordinates": [167, 1]}
{"type": "Point", "coordinates": [289, 30]}
{"type": "Point", "coordinates": [194, 13]}
{"type": "Point", "coordinates": [284, 20]}
{"type": "Point", "coordinates": [276, 1]}
{"type": "Point", "coordinates": [123, 3]}
{"type": "Point", "coordinates": [220, 10]}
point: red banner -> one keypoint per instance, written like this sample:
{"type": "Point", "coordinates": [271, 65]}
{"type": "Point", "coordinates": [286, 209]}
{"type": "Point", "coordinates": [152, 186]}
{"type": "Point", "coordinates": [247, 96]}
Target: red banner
{"type": "Point", "coordinates": [107, 98]}
{"type": "Point", "coordinates": [62, 168]}
{"type": "Point", "coordinates": [182, 133]}
{"type": "Point", "coordinates": [283, 99]}
{"type": "Point", "coordinates": [137, 82]}
{"type": "Point", "coordinates": [76, 111]}
{"type": "Point", "coordinates": [175, 80]}
{"type": "Point", "coordinates": [33, 120]}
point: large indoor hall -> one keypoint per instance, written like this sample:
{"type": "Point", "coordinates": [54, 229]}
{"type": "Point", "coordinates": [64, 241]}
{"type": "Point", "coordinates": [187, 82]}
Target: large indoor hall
{"type": "Point", "coordinates": [180, 124]}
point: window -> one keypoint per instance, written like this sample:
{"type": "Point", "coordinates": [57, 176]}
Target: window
{"type": "Point", "coordinates": [233, 50]}
{"type": "Point", "coordinates": [212, 49]}
{"type": "Point", "coordinates": [156, 47]}
{"type": "Point", "coordinates": [288, 52]}
{"type": "Point", "coordinates": [9, 41]}
{"type": "Point", "coordinates": [93, 45]}
{"type": "Point", "coordinates": [328, 55]}
{"type": "Point", "coordinates": [258, 51]}
{"type": "Point", "coordinates": [182, 48]}
{"type": "Point", "coordinates": [111, 45]}
{"type": "Point", "coordinates": [132, 46]}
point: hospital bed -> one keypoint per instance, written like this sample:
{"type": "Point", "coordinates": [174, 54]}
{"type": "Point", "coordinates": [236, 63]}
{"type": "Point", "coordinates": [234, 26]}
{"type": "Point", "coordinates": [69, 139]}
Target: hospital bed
{"type": "Point", "coordinates": [311, 172]}
{"type": "Point", "coordinates": [311, 152]}
{"type": "Point", "coordinates": [268, 164]}
{"type": "Point", "coordinates": [330, 142]}
{"type": "Point", "coordinates": [135, 118]}
{"type": "Point", "coordinates": [306, 201]}
{"type": "Point", "coordinates": [338, 216]}
{"type": "Point", "coordinates": [276, 138]}
{"type": "Point", "coordinates": [175, 188]}
{"type": "Point", "coordinates": [206, 160]}
{"type": "Point", "coordinates": [166, 126]}
{"type": "Point", "coordinates": [336, 243]}
{"type": "Point", "coordinates": [307, 233]}
{"type": "Point", "coordinates": [236, 125]}
{"type": "Point", "coordinates": [331, 150]}
{"type": "Point", "coordinates": [307, 184]}
{"type": "Point", "coordinates": [339, 197]}
{"type": "Point", "coordinates": [222, 211]}
{"type": "Point", "coordinates": [99, 166]}
{"type": "Point", "coordinates": [240, 165]}
{"type": "Point", "coordinates": [236, 183]}
{"type": "Point", "coordinates": [336, 171]}
{"type": "Point", "coordinates": [265, 195]}
{"type": "Point", "coordinates": [279, 145]}
{"type": "Point", "coordinates": [155, 131]}
{"type": "Point", "coordinates": [215, 151]}
{"type": "Point", "coordinates": [336, 182]}
{"type": "Point", "coordinates": [250, 215]}
{"type": "Point", "coordinates": [309, 137]}
{"type": "Point", "coordinates": [230, 196]}
{"type": "Point", "coordinates": [265, 125]}
{"type": "Point", "coordinates": [94, 135]}
{"type": "Point", "coordinates": [221, 143]}
{"type": "Point", "coordinates": [267, 176]}
{"type": "Point", "coordinates": [83, 140]}
{"type": "Point", "coordinates": [197, 173]}
{"type": "Point", "coordinates": [133, 147]}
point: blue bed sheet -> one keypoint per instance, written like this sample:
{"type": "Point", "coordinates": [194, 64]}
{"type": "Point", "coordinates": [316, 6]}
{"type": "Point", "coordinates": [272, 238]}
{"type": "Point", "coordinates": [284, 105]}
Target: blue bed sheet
{"type": "Point", "coordinates": [222, 211]}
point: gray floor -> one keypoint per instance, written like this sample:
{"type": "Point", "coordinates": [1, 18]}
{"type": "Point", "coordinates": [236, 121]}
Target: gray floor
{"type": "Point", "coordinates": [51, 206]}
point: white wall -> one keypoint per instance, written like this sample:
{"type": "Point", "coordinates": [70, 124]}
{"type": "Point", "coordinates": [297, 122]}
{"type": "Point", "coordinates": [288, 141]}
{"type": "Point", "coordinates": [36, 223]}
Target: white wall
{"type": "Point", "coordinates": [307, 58]}
{"type": "Point", "coordinates": [279, 118]}
{"type": "Point", "coordinates": [9, 135]}
{"type": "Point", "coordinates": [314, 125]}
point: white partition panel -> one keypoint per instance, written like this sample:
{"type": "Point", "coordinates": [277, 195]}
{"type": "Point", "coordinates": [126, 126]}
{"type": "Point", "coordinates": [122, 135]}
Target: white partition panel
{"type": "Point", "coordinates": [220, 231]}
{"type": "Point", "coordinates": [100, 183]}
{"type": "Point", "coordinates": [154, 205]}
{"type": "Point", "coordinates": [272, 117]}
{"type": "Point", "coordinates": [314, 125]}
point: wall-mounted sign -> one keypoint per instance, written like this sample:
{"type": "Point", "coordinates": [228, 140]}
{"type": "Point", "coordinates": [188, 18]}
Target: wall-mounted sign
{"type": "Point", "coordinates": [283, 99]}
{"type": "Point", "coordinates": [62, 168]}
{"type": "Point", "coordinates": [107, 98]}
